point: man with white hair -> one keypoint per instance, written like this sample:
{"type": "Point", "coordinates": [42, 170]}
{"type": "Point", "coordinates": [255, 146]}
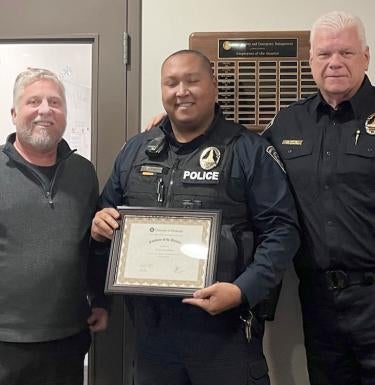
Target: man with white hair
{"type": "Point", "coordinates": [48, 197]}
{"type": "Point", "coordinates": [327, 143]}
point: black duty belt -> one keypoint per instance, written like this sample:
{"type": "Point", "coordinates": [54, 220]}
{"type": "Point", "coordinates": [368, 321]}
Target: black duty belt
{"type": "Point", "coordinates": [339, 279]}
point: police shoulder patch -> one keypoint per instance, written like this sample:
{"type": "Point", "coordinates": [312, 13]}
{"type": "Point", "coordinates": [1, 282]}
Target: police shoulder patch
{"type": "Point", "coordinates": [270, 150]}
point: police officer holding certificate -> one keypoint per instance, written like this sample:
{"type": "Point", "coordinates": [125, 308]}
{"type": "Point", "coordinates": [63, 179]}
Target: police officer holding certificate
{"type": "Point", "coordinates": [197, 159]}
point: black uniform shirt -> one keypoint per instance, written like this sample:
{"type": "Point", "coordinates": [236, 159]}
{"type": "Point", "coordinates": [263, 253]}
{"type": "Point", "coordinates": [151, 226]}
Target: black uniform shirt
{"type": "Point", "coordinates": [330, 160]}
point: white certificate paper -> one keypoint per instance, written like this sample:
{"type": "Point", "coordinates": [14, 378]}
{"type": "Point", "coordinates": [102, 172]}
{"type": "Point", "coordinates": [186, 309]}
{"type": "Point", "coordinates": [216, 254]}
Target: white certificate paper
{"type": "Point", "coordinates": [163, 251]}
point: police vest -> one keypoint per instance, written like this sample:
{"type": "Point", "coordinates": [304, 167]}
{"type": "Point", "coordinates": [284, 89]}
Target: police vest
{"type": "Point", "coordinates": [198, 179]}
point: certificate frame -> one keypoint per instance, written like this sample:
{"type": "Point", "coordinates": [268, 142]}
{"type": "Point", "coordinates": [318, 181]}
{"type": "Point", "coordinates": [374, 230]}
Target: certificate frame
{"type": "Point", "coordinates": [162, 251]}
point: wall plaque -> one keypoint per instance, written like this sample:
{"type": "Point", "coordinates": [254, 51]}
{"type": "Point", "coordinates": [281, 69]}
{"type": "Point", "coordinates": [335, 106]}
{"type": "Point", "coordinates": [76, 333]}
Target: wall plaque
{"type": "Point", "coordinates": [258, 73]}
{"type": "Point", "coordinates": [235, 48]}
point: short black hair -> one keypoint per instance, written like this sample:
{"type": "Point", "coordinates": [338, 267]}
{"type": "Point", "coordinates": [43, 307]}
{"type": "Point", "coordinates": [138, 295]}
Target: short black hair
{"type": "Point", "coordinates": [204, 59]}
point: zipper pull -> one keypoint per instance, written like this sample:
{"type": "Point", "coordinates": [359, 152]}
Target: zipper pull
{"type": "Point", "coordinates": [49, 197]}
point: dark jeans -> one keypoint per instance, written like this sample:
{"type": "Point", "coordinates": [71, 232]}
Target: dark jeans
{"type": "Point", "coordinates": [58, 362]}
{"type": "Point", "coordinates": [339, 328]}
{"type": "Point", "coordinates": [183, 345]}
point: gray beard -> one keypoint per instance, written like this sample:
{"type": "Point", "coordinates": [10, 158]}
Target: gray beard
{"type": "Point", "coordinates": [43, 141]}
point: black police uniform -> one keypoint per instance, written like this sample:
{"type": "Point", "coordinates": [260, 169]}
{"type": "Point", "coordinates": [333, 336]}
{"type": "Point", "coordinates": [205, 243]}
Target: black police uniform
{"type": "Point", "coordinates": [182, 344]}
{"type": "Point", "coordinates": [330, 160]}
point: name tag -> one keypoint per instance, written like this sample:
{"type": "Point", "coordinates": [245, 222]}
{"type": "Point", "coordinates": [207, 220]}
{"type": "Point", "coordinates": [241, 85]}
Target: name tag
{"type": "Point", "coordinates": [151, 170]}
{"type": "Point", "coordinates": [292, 142]}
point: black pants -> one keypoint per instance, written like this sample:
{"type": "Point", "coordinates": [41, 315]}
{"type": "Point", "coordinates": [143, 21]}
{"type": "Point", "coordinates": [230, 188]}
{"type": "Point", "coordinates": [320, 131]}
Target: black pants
{"type": "Point", "coordinates": [183, 345]}
{"type": "Point", "coordinates": [58, 362]}
{"type": "Point", "coordinates": [339, 327]}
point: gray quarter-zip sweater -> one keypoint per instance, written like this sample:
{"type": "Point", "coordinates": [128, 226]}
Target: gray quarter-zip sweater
{"type": "Point", "coordinates": [44, 236]}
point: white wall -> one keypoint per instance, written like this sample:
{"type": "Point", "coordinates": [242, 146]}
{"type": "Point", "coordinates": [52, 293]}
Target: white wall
{"type": "Point", "coordinates": [166, 28]}
{"type": "Point", "coordinates": [167, 25]}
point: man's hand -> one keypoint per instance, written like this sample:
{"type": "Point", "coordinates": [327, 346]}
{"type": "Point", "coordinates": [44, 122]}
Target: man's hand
{"type": "Point", "coordinates": [216, 298]}
{"type": "Point", "coordinates": [104, 223]}
{"type": "Point", "coordinates": [98, 319]}
{"type": "Point", "coordinates": [155, 120]}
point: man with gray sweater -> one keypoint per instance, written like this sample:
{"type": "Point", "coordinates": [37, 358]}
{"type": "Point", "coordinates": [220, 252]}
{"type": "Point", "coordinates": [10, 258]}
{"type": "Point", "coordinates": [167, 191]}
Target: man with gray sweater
{"type": "Point", "coordinates": [48, 197]}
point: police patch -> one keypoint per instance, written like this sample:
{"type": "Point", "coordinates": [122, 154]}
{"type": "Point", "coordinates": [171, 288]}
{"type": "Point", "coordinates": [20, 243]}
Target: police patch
{"type": "Point", "coordinates": [275, 156]}
{"type": "Point", "coordinates": [205, 177]}
{"type": "Point", "coordinates": [370, 124]}
{"type": "Point", "coordinates": [209, 158]}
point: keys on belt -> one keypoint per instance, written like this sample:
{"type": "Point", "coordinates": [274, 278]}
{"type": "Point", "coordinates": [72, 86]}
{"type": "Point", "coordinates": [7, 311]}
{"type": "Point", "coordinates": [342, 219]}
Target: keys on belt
{"type": "Point", "coordinates": [339, 279]}
{"type": "Point", "coordinates": [247, 320]}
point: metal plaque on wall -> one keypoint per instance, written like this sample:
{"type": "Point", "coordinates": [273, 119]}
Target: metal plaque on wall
{"type": "Point", "coordinates": [257, 73]}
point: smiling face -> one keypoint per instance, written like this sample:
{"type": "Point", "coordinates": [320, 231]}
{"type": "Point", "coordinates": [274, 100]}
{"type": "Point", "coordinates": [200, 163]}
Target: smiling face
{"type": "Point", "coordinates": [39, 115]}
{"type": "Point", "coordinates": [188, 94]}
{"type": "Point", "coordinates": [338, 63]}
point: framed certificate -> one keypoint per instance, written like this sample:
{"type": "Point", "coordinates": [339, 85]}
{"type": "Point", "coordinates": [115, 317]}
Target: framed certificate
{"type": "Point", "coordinates": [159, 251]}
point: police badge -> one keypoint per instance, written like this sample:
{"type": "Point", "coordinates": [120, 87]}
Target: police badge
{"type": "Point", "coordinates": [370, 124]}
{"type": "Point", "coordinates": [209, 158]}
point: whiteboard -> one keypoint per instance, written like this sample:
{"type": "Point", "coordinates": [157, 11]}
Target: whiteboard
{"type": "Point", "coordinates": [72, 62]}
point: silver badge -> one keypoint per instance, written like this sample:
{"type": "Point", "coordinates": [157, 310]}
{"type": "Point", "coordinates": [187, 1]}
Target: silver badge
{"type": "Point", "coordinates": [209, 158]}
{"type": "Point", "coordinates": [370, 124]}
{"type": "Point", "coordinates": [275, 156]}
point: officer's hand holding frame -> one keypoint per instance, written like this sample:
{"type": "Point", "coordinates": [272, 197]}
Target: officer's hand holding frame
{"type": "Point", "coordinates": [159, 251]}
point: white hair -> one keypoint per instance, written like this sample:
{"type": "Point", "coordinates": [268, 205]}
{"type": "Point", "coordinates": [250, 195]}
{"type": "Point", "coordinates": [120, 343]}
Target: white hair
{"type": "Point", "coordinates": [338, 20]}
{"type": "Point", "coordinates": [32, 75]}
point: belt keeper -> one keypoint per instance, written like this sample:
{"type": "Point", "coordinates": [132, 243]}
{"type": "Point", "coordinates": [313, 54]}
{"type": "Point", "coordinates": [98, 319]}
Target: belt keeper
{"type": "Point", "coordinates": [337, 279]}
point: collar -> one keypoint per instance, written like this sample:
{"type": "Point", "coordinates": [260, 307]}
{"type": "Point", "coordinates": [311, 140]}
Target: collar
{"type": "Point", "coordinates": [358, 103]}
